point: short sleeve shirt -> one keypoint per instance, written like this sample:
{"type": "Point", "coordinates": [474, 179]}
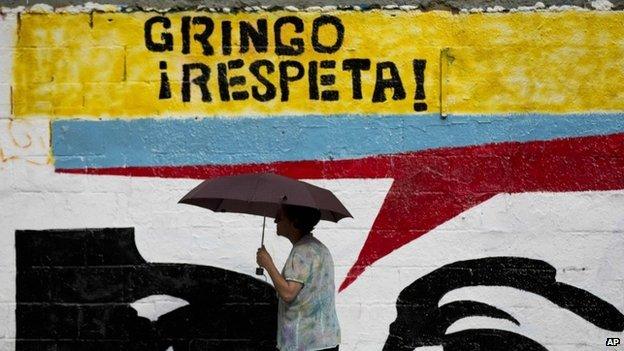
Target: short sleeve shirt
{"type": "Point", "coordinates": [309, 322]}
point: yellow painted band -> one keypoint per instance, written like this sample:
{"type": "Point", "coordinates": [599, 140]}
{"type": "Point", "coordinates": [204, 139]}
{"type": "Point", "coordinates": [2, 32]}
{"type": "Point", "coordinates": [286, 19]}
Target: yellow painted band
{"type": "Point", "coordinates": [98, 65]}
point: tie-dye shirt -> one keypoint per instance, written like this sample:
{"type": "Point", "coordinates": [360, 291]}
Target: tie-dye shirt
{"type": "Point", "coordinates": [309, 322]}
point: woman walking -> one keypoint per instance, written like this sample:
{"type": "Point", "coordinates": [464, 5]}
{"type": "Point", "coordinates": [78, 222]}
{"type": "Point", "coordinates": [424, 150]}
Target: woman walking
{"type": "Point", "coordinates": [306, 319]}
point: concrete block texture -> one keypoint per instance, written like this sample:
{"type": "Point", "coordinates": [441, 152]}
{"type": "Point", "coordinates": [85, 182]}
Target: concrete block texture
{"type": "Point", "coordinates": [8, 25]}
{"type": "Point", "coordinates": [492, 218]}
{"type": "Point", "coordinates": [453, 5]}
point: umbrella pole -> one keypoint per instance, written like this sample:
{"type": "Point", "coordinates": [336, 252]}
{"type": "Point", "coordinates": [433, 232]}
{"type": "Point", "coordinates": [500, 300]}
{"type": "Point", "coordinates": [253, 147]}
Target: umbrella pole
{"type": "Point", "coordinates": [263, 224]}
{"type": "Point", "coordinates": [259, 270]}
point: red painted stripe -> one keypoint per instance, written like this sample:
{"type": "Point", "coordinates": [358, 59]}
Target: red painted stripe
{"type": "Point", "coordinates": [430, 187]}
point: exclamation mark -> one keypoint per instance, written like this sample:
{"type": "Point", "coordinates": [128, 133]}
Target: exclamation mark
{"type": "Point", "coordinates": [165, 89]}
{"type": "Point", "coordinates": [419, 74]}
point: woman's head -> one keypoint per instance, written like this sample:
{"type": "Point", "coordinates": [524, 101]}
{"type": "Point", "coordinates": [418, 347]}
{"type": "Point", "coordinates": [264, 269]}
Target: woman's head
{"type": "Point", "coordinates": [302, 219]}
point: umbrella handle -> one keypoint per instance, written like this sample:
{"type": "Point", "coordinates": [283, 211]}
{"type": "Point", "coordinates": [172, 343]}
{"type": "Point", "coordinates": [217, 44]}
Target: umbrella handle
{"type": "Point", "coordinates": [259, 270]}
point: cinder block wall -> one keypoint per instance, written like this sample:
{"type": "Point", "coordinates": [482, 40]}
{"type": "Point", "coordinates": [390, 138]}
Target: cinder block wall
{"type": "Point", "coordinates": [477, 145]}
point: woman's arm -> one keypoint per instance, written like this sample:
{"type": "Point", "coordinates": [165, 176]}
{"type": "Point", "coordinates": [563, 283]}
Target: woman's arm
{"type": "Point", "coordinates": [286, 289]}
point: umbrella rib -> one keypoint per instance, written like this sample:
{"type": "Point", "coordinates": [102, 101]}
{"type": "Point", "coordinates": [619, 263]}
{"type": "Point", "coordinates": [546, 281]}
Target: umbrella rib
{"type": "Point", "coordinates": [220, 203]}
{"type": "Point", "coordinates": [253, 196]}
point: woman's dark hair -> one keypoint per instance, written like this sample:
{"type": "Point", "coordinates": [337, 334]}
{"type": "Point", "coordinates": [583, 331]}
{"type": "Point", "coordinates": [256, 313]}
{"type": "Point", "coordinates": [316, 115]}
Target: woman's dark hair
{"type": "Point", "coordinates": [303, 218]}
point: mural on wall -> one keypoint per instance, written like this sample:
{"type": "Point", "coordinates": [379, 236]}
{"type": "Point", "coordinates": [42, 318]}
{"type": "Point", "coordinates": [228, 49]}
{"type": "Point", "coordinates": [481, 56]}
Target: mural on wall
{"type": "Point", "coordinates": [481, 140]}
{"type": "Point", "coordinates": [430, 187]}
{"type": "Point", "coordinates": [422, 322]}
{"type": "Point", "coordinates": [76, 290]}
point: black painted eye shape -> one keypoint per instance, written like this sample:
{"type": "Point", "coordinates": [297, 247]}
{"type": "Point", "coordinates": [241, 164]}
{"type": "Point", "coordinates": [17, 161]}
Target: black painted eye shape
{"type": "Point", "coordinates": [420, 322]}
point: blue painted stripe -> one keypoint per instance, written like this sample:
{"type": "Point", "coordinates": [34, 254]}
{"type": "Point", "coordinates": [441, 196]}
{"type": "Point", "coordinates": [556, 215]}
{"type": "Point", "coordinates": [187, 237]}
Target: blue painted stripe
{"type": "Point", "coordinates": [177, 142]}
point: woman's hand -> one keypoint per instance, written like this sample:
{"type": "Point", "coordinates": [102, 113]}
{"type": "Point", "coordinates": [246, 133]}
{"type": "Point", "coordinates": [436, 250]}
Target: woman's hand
{"type": "Point", "coordinates": [287, 290]}
{"type": "Point", "coordinates": [263, 258]}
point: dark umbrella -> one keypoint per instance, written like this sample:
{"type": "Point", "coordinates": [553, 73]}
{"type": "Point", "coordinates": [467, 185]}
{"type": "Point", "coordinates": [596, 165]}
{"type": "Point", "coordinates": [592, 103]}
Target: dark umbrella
{"type": "Point", "coordinates": [263, 194]}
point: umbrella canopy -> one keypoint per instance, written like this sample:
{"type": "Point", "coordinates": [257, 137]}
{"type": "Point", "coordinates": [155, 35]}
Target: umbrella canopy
{"type": "Point", "coordinates": [263, 194]}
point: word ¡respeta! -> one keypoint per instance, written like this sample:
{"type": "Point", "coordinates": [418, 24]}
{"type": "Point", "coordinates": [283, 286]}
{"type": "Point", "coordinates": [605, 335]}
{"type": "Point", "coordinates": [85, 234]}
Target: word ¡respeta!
{"type": "Point", "coordinates": [220, 70]}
